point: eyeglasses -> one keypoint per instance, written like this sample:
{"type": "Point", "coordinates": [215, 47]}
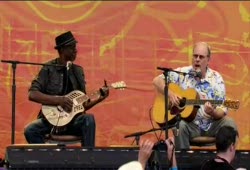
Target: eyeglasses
{"type": "Point", "coordinates": [200, 56]}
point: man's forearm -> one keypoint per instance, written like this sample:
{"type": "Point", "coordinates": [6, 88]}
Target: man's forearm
{"type": "Point", "coordinates": [45, 99]}
{"type": "Point", "coordinates": [218, 113]}
{"type": "Point", "coordinates": [159, 84]}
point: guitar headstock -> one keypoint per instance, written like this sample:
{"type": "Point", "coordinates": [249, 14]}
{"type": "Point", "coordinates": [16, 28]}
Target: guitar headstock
{"type": "Point", "coordinates": [232, 104]}
{"type": "Point", "coordinates": [119, 85]}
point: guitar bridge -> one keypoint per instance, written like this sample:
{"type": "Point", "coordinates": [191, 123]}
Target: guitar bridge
{"type": "Point", "coordinates": [60, 109]}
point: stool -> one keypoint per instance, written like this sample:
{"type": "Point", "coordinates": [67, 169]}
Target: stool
{"type": "Point", "coordinates": [62, 139]}
{"type": "Point", "coordinates": [202, 141]}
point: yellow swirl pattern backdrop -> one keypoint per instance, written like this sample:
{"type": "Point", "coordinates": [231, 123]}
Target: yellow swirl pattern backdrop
{"type": "Point", "coordinates": [123, 41]}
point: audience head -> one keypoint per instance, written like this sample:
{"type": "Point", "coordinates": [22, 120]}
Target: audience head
{"type": "Point", "coordinates": [133, 165]}
{"type": "Point", "coordinates": [225, 138]}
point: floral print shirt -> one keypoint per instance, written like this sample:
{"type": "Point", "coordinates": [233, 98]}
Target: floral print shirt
{"type": "Point", "coordinates": [212, 87]}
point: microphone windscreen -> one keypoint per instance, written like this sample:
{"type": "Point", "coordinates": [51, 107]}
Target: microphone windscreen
{"type": "Point", "coordinates": [198, 73]}
{"type": "Point", "coordinates": [68, 65]}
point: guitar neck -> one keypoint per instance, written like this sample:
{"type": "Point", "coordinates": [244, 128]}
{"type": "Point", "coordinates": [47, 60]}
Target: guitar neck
{"type": "Point", "coordinates": [202, 102]}
{"type": "Point", "coordinates": [94, 94]}
{"type": "Point", "coordinates": [97, 92]}
{"type": "Point", "coordinates": [117, 85]}
{"type": "Point", "coordinates": [82, 99]}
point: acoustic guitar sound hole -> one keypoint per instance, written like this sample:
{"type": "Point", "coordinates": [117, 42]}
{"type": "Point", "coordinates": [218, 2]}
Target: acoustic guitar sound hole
{"type": "Point", "coordinates": [182, 102]}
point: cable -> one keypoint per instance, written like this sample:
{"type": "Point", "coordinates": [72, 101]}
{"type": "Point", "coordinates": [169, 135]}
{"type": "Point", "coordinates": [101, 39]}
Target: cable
{"type": "Point", "coordinates": [151, 121]}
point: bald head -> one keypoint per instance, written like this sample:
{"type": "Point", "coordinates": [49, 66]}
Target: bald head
{"type": "Point", "coordinates": [202, 46]}
{"type": "Point", "coordinates": [201, 57]}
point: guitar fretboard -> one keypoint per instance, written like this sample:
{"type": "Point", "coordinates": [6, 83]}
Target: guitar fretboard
{"type": "Point", "coordinates": [202, 102]}
{"type": "Point", "coordinates": [94, 94]}
{"type": "Point", "coordinates": [82, 99]}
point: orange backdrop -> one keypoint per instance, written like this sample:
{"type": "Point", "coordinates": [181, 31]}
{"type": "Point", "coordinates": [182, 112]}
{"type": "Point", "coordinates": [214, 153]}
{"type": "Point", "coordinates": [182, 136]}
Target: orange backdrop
{"type": "Point", "coordinates": [123, 41]}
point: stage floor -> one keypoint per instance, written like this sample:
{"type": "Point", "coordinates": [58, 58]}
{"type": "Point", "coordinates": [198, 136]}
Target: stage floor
{"type": "Point", "coordinates": [72, 157]}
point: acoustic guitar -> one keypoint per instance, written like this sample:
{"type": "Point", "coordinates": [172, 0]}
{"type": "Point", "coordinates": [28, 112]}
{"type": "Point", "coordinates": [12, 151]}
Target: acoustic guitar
{"type": "Point", "coordinates": [57, 116]}
{"type": "Point", "coordinates": [188, 107]}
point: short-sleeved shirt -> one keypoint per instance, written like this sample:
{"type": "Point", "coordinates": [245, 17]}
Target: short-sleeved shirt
{"type": "Point", "coordinates": [211, 87]}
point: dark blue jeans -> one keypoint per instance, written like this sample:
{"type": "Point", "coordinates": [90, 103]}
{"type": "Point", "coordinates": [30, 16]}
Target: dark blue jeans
{"type": "Point", "coordinates": [83, 125]}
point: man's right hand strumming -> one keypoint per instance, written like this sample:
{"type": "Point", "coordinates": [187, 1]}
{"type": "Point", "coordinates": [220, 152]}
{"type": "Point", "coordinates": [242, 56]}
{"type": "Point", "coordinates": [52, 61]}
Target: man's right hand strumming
{"type": "Point", "coordinates": [65, 103]}
{"type": "Point", "coordinates": [173, 98]}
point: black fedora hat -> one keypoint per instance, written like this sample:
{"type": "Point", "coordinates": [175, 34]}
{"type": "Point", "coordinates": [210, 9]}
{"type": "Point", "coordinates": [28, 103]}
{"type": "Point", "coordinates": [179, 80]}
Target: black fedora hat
{"type": "Point", "coordinates": [64, 39]}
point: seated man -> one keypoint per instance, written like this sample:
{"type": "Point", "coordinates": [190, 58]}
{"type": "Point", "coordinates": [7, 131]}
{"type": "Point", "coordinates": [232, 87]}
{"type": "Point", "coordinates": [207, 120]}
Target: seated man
{"type": "Point", "coordinates": [51, 87]}
{"type": "Point", "coordinates": [209, 85]}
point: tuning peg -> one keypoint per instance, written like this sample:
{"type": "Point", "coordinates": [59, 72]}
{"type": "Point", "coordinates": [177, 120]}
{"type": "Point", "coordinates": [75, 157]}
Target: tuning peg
{"type": "Point", "coordinates": [105, 83]}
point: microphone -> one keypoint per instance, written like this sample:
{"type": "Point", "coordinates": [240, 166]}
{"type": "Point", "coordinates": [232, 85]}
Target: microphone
{"type": "Point", "coordinates": [68, 65]}
{"type": "Point", "coordinates": [199, 74]}
{"type": "Point", "coordinates": [196, 73]}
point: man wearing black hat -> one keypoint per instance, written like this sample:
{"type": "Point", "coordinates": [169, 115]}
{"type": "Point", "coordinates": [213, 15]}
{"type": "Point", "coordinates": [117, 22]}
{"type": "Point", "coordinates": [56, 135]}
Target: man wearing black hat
{"type": "Point", "coordinates": [54, 81]}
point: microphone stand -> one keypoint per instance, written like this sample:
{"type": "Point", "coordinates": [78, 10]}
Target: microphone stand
{"type": "Point", "coordinates": [14, 64]}
{"type": "Point", "coordinates": [165, 73]}
{"type": "Point", "coordinates": [137, 135]}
